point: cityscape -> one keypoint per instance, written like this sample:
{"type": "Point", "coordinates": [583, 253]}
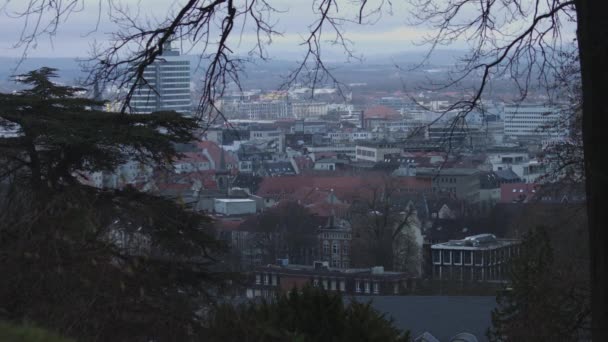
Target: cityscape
{"type": "Point", "coordinates": [223, 207]}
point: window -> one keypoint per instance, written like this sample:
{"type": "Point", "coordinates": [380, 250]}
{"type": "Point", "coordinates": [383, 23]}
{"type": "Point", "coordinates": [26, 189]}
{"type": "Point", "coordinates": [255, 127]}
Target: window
{"type": "Point", "coordinates": [345, 248]}
{"type": "Point", "coordinates": [376, 288]}
{"type": "Point", "coordinates": [342, 286]}
{"type": "Point", "coordinates": [468, 257]}
{"type": "Point", "coordinates": [258, 279]}
{"type": "Point", "coordinates": [274, 280]}
{"type": "Point", "coordinates": [357, 286]}
{"type": "Point", "coordinates": [478, 257]}
{"type": "Point", "coordinates": [335, 247]}
{"type": "Point", "coordinates": [366, 287]}
{"type": "Point", "coordinates": [478, 273]}
{"type": "Point", "coordinates": [265, 279]}
{"type": "Point", "coordinates": [436, 256]}
{"type": "Point", "coordinates": [333, 285]}
{"type": "Point", "coordinates": [447, 258]}
{"type": "Point", "coordinates": [324, 284]}
{"type": "Point", "coordinates": [325, 247]}
{"type": "Point", "coordinates": [457, 257]}
{"type": "Point", "coordinates": [457, 273]}
{"type": "Point", "coordinates": [315, 282]}
{"type": "Point", "coordinates": [396, 288]}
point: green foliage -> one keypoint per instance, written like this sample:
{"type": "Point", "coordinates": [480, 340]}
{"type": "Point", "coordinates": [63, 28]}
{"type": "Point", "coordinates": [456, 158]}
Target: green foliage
{"type": "Point", "coordinates": [93, 263]}
{"type": "Point", "coordinates": [309, 315]}
{"type": "Point", "coordinates": [12, 333]}
{"type": "Point", "coordinates": [539, 305]}
{"type": "Point", "coordinates": [63, 134]}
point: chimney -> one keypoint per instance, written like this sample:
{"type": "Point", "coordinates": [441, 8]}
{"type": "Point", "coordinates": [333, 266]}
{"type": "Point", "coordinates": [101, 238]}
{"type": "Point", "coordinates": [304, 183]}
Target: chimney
{"type": "Point", "coordinates": [362, 119]}
{"type": "Point", "coordinates": [377, 270]}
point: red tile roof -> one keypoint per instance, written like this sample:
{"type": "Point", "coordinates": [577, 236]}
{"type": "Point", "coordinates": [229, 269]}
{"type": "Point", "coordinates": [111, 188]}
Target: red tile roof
{"type": "Point", "coordinates": [215, 152]}
{"type": "Point", "coordinates": [192, 157]}
{"type": "Point", "coordinates": [517, 192]}
{"type": "Point", "coordinates": [303, 162]}
{"type": "Point", "coordinates": [309, 188]}
{"type": "Point", "coordinates": [380, 112]}
{"type": "Point", "coordinates": [228, 224]}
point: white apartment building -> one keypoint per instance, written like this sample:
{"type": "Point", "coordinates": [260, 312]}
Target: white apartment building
{"type": "Point", "coordinates": [302, 110]}
{"type": "Point", "coordinates": [531, 121]}
{"type": "Point", "coordinates": [257, 110]}
{"type": "Point", "coordinates": [376, 151]}
{"type": "Point", "coordinates": [351, 136]}
{"type": "Point", "coordinates": [347, 150]}
{"type": "Point", "coordinates": [166, 85]}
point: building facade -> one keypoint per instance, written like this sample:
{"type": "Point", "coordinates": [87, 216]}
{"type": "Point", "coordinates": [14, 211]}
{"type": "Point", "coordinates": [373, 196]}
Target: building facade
{"type": "Point", "coordinates": [375, 151]}
{"type": "Point", "coordinates": [334, 246]}
{"type": "Point", "coordinates": [531, 121]}
{"type": "Point", "coordinates": [268, 281]}
{"type": "Point", "coordinates": [165, 85]}
{"type": "Point", "coordinates": [475, 258]}
{"type": "Point", "coordinates": [462, 182]}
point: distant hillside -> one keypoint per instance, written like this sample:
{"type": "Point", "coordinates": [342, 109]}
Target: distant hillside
{"type": "Point", "coordinates": [378, 71]}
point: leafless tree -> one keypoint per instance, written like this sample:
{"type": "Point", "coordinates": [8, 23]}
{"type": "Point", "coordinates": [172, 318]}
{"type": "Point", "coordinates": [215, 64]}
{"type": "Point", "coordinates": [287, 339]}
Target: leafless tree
{"type": "Point", "coordinates": [385, 229]}
{"type": "Point", "coordinates": [566, 157]}
{"type": "Point", "coordinates": [209, 27]}
{"type": "Point", "coordinates": [515, 39]}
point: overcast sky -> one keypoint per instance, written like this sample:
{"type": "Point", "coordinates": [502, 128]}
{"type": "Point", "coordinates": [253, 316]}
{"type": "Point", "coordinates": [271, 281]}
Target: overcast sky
{"type": "Point", "coordinates": [75, 35]}
{"type": "Point", "coordinates": [389, 34]}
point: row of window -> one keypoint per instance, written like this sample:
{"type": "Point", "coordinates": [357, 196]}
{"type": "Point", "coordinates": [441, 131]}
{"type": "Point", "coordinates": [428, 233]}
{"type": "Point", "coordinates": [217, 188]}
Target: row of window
{"type": "Point", "coordinates": [174, 74]}
{"type": "Point", "coordinates": [478, 258]}
{"type": "Point", "coordinates": [176, 91]}
{"type": "Point", "coordinates": [366, 153]}
{"type": "Point", "coordinates": [493, 273]}
{"type": "Point", "coordinates": [176, 97]}
{"type": "Point", "coordinates": [164, 63]}
{"type": "Point", "coordinates": [184, 86]}
{"type": "Point", "coordinates": [335, 235]}
{"type": "Point", "coordinates": [335, 247]}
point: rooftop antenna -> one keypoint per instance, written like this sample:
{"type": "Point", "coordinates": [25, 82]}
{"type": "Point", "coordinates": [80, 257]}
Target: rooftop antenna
{"type": "Point", "coordinates": [181, 42]}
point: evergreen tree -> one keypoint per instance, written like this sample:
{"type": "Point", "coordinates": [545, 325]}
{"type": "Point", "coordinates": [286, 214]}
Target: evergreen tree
{"type": "Point", "coordinates": [539, 304]}
{"type": "Point", "coordinates": [307, 315]}
{"type": "Point", "coordinates": [95, 264]}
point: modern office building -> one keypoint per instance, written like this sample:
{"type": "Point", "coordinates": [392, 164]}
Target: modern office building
{"type": "Point", "coordinates": [476, 258]}
{"type": "Point", "coordinates": [531, 121]}
{"type": "Point", "coordinates": [165, 86]}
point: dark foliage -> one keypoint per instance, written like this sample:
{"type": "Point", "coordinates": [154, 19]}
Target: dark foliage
{"type": "Point", "coordinates": [545, 301]}
{"type": "Point", "coordinates": [309, 315]}
{"type": "Point", "coordinates": [286, 231]}
{"type": "Point", "coordinates": [95, 264]}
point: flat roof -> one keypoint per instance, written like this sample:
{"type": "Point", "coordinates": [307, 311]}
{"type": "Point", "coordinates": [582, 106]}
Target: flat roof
{"type": "Point", "coordinates": [234, 200]}
{"type": "Point", "coordinates": [446, 171]}
{"type": "Point", "coordinates": [463, 245]}
{"type": "Point", "coordinates": [310, 270]}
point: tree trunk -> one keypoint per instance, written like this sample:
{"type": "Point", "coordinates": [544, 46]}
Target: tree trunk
{"type": "Point", "coordinates": [593, 47]}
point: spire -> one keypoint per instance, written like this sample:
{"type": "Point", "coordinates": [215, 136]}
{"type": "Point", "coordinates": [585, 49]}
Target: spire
{"type": "Point", "coordinates": [332, 218]}
{"type": "Point", "coordinates": [222, 159]}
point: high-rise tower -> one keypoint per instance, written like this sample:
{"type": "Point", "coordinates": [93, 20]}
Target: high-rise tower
{"type": "Point", "coordinates": [166, 85]}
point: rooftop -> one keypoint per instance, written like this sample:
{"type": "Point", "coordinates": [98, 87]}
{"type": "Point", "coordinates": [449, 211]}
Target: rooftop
{"type": "Point", "coordinates": [427, 171]}
{"type": "Point", "coordinates": [234, 200]}
{"type": "Point", "coordinates": [476, 242]}
{"type": "Point", "coordinates": [421, 314]}
{"type": "Point", "coordinates": [310, 269]}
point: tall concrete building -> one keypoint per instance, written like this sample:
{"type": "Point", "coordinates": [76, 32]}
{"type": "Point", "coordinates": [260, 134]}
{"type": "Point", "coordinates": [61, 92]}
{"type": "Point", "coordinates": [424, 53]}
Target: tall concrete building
{"type": "Point", "coordinates": [166, 85]}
